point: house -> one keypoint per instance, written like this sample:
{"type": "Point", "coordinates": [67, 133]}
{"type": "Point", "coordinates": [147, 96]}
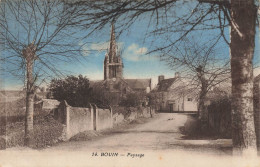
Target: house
{"type": "Point", "coordinates": [174, 95]}
{"type": "Point", "coordinates": [114, 82]}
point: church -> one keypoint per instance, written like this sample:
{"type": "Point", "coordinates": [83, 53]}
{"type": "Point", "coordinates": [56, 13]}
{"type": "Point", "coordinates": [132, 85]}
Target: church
{"type": "Point", "coordinates": [114, 81]}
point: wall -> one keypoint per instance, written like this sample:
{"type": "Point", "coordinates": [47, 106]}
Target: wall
{"type": "Point", "coordinates": [79, 120]}
{"type": "Point", "coordinates": [104, 119]}
{"type": "Point", "coordinates": [172, 102]}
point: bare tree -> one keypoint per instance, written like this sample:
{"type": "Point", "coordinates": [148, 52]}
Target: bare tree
{"type": "Point", "coordinates": [35, 36]}
{"type": "Point", "coordinates": [185, 17]}
{"type": "Point", "coordinates": [202, 66]}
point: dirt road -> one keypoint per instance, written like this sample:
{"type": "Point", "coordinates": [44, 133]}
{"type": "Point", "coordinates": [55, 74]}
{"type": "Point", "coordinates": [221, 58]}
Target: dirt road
{"type": "Point", "coordinates": [160, 133]}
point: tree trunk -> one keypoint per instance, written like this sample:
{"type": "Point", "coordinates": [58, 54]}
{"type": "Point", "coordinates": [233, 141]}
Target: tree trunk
{"type": "Point", "coordinates": [29, 55]}
{"type": "Point", "coordinates": [203, 118]}
{"type": "Point", "coordinates": [243, 15]}
{"type": "Point", "coordinates": [202, 110]}
{"type": "Point", "coordinates": [257, 110]}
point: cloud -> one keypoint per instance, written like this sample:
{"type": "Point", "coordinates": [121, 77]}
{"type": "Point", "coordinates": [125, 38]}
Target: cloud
{"type": "Point", "coordinates": [136, 53]}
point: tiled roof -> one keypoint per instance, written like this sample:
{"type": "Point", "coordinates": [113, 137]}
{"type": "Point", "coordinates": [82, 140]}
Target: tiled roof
{"type": "Point", "coordinates": [138, 83]}
{"type": "Point", "coordinates": [165, 84]}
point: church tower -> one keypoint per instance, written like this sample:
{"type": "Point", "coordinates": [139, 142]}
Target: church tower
{"type": "Point", "coordinates": [113, 66]}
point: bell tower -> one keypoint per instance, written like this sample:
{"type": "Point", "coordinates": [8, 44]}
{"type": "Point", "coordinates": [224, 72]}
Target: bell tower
{"type": "Point", "coordinates": [113, 66]}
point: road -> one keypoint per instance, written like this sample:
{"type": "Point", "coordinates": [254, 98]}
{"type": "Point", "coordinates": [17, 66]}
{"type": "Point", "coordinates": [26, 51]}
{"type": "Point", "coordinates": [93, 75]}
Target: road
{"type": "Point", "coordinates": [160, 133]}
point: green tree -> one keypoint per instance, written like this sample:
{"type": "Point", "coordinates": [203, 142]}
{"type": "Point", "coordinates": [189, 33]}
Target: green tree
{"type": "Point", "coordinates": [134, 99]}
{"type": "Point", "coordinates": [75, 90]}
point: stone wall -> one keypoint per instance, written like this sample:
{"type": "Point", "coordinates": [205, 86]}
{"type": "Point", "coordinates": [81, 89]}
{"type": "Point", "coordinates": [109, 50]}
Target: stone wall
{"type": "Point", "coordinates": [77, 119]}
{"type": "Point", "coordinates": [104, 119]}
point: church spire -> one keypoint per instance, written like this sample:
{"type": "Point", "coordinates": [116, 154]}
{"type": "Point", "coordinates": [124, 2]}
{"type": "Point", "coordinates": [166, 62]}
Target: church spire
{"type": "Point", "coordinates": [113, 65]}
{"type": "Point", "coordinates": [112, 50]}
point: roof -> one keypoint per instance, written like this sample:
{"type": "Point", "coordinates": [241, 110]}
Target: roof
{"type": "Point", "coordinates": [138, 83]}
{"type": "Point", "coordinates": [95, 83]}
{"type": "Point", "coordinates": [134, 84]}
{"type": "Point", "coordinates": [165, 84]}
{"type": "Point", "coordinates": [49, 103]}
{"type": "Point", "coordinates": [257, 78]}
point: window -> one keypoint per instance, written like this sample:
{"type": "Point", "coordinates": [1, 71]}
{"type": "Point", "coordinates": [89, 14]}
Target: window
{"type": "Point", "coordinates": [189, 99]}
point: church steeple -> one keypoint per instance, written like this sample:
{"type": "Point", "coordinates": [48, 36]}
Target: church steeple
{"type": "Point", "coordinates": [112, 49]}
{"type": "Point", "coordinates": [113, 66]}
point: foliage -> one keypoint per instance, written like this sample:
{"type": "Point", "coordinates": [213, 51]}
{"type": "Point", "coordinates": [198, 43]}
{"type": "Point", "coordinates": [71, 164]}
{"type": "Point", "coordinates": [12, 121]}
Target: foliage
{"type": "Point", "coordinates": [219, 116]}
{"type": "Point", "coordinates": [75, 90]}
{"type": "Point", "coordinates": [102, 98]}
{"type": "Point", "coordinates": [222, 104]}
{"type": "Point", "coordinates": [132, 99]}
{"type": "Point", "coordinates": [47, 131]}
{"type": "Point", "coordinates": [152, 99]}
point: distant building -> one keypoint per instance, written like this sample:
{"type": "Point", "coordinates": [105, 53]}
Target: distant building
{"type": "Point", "coordinates": [174, 95]}
{"type": "Point", "coordinates": [114, 82]}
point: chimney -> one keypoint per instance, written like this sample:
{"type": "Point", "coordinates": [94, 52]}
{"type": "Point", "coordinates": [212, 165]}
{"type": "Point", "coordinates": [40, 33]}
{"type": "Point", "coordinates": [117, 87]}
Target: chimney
{"type": "Point", "coordinates": [177, 75]}
{"type": "Point", "coordinates": [160, 78]}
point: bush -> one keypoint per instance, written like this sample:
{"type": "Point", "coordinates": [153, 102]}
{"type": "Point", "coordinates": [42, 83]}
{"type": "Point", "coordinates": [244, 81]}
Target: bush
{"type": "Point", "coordinates": [75, 90]}
{"type": "Point", "coordinates": [132, 100]}
{"type": "Point", "coordinates": [219, 114]}
{"type": "Point", "coordinates": [47, 131]}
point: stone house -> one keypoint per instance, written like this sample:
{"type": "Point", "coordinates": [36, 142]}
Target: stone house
{"type": "Point", "coordinates": [174, 95]}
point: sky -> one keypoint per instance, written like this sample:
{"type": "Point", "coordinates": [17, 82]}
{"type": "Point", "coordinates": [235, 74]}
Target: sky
{"type": "Point", "coordinates": [134, 44]}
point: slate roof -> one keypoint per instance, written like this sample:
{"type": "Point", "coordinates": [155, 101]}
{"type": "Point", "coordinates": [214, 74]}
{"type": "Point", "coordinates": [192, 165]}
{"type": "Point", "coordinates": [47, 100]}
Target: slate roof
{"type": "Point", "coordinates": [95, 83]}
{"type": "Point", "coordinates": [138, 84]}
{"type": "Point", "coordinates": [134, 84]}
{"type": "Point", "coordinates": [165, 84]}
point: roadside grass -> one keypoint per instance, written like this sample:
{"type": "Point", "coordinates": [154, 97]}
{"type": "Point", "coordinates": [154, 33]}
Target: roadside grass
{"type": "Point", "coordinates": [47, 132]}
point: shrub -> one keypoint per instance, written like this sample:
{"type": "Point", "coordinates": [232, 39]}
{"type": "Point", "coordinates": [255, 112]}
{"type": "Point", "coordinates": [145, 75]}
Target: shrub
{"type": "Point", "coordinates": [75, 90]}
{"type": "Point", "coordinates": [47, 131]}
{"type": "Point", "coordinates": [132, 100]}
{"type": "Point", "coordinates": [219, 114]}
